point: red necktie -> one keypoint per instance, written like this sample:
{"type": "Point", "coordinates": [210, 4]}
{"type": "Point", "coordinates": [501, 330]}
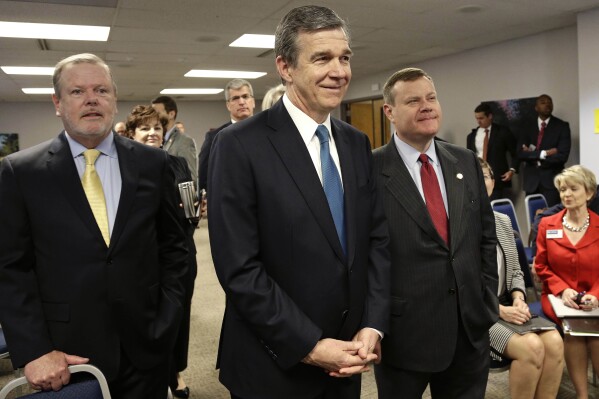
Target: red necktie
{"type": "Point", "coordinates": [541, 133]}
{"type": "Point", "coordinates": [433, 198]}
{"type": "Point", "coordinates": [486, 144]}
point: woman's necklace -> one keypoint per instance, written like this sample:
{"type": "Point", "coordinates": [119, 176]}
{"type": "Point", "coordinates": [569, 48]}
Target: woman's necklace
{"type": "Point", "coordinates": [576, 229]}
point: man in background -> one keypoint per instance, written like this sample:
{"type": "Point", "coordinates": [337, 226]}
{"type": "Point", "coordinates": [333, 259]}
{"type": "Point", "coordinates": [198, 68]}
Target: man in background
{"type": "Point", "coordinates": [497, 145]}
{"type": "Point", "coordinates": [175, 142]}
{"type": "Point", "coordinates": [443, 256]}
{"type": "Point", "coordinates": [180, 126]}
{"type": "Point", "coordinates": [544, 147]}
{"type": "Point", "coordinates": [91, 252]}
{"type": "Point", "coordinates": [239, 99]}
{"type": "Point", "coordinates": [120, 128]}
{"type": "Point", "coordinates": [298, 235]}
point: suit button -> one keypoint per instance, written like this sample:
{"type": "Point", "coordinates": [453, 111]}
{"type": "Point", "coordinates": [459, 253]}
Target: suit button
{"type": "Point", "coordinates": [451, 291]}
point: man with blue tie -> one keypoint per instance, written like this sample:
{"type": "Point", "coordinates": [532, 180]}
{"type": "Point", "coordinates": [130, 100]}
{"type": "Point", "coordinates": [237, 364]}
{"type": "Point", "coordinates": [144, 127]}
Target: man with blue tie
{"type": "Point", "coordinates": [297, 231]}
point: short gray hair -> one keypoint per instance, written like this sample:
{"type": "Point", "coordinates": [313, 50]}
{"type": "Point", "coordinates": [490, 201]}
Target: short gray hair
{"type": "Point", "coordinates": [85, 58]}
{"type": "Point", "coordinates": [304, 19]}
{"type": "Point", "coordinates": [237, 84]}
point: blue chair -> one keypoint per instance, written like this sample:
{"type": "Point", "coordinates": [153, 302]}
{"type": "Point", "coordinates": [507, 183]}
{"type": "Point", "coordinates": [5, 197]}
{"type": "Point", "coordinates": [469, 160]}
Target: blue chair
{"type": "Point", "coordinates": [95, 388]}
{"type": "Point", "coordinates": [506, 206]}
{"type": "Point", "coordinates": [533, 203]}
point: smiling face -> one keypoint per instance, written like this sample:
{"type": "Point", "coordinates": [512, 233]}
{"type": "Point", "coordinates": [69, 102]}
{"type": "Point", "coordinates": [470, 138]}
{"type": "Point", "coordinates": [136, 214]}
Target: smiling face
{"type": "Point", "coordinates": [149, 132]}
{"type": "Point", "coordinates": [573, 195]}
{"type": "Point", "coordinates": [319, 81]}
{"type": "Point", "coordinates": [416, 112]}
{"type": "Point", "coordinates": [86, 103]}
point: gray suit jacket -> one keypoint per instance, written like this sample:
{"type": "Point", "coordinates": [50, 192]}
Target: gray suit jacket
{"type": "Point", "coordinates": [183, 146]}
{"type": "Point", "coordinates": [435, 286]}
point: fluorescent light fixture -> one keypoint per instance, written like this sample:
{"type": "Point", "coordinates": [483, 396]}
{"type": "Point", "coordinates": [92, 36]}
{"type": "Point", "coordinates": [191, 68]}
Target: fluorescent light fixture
{"type": "Point", "coordinates": [254, 41]}
{"type": "Point", "coordinates": [54, 31]}
{"type": "Point", "coordinates": [206, 73]}
{"type": "Point", "coordinates": [191, 91]}
{"type": "Point", "coordinates": [28, 70]}
{"type": "Point", "coordinates": [38, 90]}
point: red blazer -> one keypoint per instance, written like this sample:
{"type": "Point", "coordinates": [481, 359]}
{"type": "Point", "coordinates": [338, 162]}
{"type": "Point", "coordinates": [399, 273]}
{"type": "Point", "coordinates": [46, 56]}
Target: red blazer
{"type": "Point", "coordinates": [561, 265]}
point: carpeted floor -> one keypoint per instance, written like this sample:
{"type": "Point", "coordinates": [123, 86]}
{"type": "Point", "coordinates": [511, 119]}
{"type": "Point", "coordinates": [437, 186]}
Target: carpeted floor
{"type": "Point", "coordinates": [207, 310]}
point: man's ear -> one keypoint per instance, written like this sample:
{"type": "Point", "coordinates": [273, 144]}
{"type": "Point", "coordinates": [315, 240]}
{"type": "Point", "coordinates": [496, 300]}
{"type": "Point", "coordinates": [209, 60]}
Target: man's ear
{"type": "Point", "coordinates": [284, 69]}
{"type": "Point", "coordinates": [56, 102]}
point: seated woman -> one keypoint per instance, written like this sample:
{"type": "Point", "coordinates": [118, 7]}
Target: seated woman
{"type": "Point", "coordinates": [537, 359]}
{"type": "Point", "coordinates": [146, 126]}
{"type": "Point", "coordinates": [566, 263]}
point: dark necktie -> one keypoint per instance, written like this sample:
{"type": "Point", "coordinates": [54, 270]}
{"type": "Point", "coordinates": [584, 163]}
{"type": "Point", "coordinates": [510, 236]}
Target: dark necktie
{"type": "Point", "coordinates": [486, 144]}
{"type": "Point", "coordinates": [540, 137]}
{"type": "Point", "coordinates": [331, 183]}
{"type": "Point", "coordinates": [433, 198]}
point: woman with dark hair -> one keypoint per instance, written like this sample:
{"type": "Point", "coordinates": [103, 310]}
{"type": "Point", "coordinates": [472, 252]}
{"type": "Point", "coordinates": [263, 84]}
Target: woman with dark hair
{"type": "Point", "coordinates": [145, 125]}
{"type": "Point", "coordinates": [537, 359]}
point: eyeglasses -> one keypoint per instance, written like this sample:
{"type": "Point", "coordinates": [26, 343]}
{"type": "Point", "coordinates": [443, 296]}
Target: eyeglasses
{"type": "Point", "coordinates": [245, 97]}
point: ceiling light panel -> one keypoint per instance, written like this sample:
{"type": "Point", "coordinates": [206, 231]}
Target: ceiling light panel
{"type": "Point", "coordinates": [191, 91]}
{"type": "Point", "coordinates": [54, 31]}
{"type": "Point", "coordinates": [206, 73]}
{"type": "Point", "coordinates": [254, 41]}
{"type": "Point", "coordinates": [14, 70]}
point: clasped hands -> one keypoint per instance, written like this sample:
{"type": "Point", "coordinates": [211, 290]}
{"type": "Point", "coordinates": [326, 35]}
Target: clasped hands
{"type": "Point", "coordinates": [518, 313]}
{"type": "Point", "coordinates": [587, 301]}
{"type": "Point", "coordinates": [51, 371]}
{"type": "Point", "coordinates": [346, 358]}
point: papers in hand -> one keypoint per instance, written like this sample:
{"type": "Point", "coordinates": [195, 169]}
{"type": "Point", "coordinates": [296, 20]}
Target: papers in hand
{"type": "Point", "coordinates": [562, 310]}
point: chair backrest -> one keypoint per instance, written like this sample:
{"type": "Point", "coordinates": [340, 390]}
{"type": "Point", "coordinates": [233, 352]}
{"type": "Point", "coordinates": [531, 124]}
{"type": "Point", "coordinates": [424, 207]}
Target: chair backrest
{"type": "Point", "coordinates": [506, 206]}
{"type": "Point", "coordinates": [3, 347]}
{"type": "Point", "coordinates": [96, 388]}
{"type": "Point", "coordinates": [525, 268]}
{"type": "Point", "coordinates": [533, 203]}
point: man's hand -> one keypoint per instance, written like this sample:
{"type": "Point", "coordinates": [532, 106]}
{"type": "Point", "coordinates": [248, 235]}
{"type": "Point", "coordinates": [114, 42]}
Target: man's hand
{"type": "Point", "coordinates": [550, 152]}
{"type": "Point", "coordinates": [334, 355]}
{"type": "Point", "coordinates": [507, 176]}
{"type": "Point", "coordinates": [370, 352]}
{"type": "Point", "coordinates": [50, 371]}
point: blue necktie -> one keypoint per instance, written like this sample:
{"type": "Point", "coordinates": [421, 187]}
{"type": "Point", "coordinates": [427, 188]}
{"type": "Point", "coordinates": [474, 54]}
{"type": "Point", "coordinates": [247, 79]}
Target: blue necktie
{"type": "Point", "coordinates": [331, 183]}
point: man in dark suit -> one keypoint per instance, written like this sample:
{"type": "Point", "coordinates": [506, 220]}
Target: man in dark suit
{"type": "Point", "coordinates": [443, 256]}
{"type": "Point", "coordinates": [239, 98]}
{"type": "Point", "coordinates": [304, 267]}
{"type": "Point", "coordinates": [544, 147]}
{"type": "Point", "coordinates": [493, 143]}
{"type": "Point", "coordinates": [91, 256]}
{"type": "Point", "coordinates": [176, 142]}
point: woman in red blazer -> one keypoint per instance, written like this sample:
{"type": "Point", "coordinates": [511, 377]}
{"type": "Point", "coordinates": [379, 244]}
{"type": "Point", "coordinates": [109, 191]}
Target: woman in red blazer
{"type": "Point", "coordinates": [566, 262]}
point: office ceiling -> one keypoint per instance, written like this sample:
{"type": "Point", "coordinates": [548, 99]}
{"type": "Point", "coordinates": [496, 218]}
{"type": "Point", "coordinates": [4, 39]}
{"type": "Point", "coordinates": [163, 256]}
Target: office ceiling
{"type": "Point", "coordinates": [153, 43]}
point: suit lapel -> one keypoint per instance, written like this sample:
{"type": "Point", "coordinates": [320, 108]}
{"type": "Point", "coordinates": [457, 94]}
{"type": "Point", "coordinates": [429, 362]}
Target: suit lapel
{"type": "Point", "coordinates": [61, 165]}
{"type": "Point", "coordinates": [454, 187]}
{"type": "Point", "coordinates": [129, 177]}
{"type": "Point", "coordinates": [401, 185]}
{"type": "Point", "coordinates": [171, 139]}
{"type": "Point", "coordinates": [288, 143]}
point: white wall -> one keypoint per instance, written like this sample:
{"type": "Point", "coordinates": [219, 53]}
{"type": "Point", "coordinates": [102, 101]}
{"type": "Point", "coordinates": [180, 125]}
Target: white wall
{"type": "Point", "coordinates": [36, 122]}
{"type": "Point", "coordinates": [588, 49]}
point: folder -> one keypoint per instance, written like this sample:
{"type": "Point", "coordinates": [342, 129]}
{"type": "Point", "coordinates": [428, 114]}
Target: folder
{"type": "Point", "coordinates": [562, 310]}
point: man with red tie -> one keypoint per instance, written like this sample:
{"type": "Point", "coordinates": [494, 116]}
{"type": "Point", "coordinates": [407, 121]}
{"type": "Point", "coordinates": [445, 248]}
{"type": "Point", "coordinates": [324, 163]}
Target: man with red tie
{"type": "Point", "coordinates": [443, 256]}
{"type": "Point", "coordinates": [544, 147]}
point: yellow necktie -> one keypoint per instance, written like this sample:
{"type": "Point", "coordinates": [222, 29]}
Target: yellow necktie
{"type": "Point", "coordinates": [94, 192]}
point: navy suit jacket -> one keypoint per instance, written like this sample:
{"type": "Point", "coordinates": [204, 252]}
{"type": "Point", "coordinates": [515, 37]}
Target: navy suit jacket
{"type": "Point", "coordinates": [204, 156]}
{"type": "Point", "coordinates": [501, 143]}
{"type": "Point", "coordinates": [61, 288]}
{"type": "Point", "coordinates": [278, 257]}
{"type": "Point", "coordinates": [540, 173]}
{"type": "Point", "coordinates": [432, 282]}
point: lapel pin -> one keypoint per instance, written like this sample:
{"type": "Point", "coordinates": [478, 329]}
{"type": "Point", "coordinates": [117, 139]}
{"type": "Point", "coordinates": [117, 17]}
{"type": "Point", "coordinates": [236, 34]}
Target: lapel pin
{"type": "Point", "coordinates": [459, 176]}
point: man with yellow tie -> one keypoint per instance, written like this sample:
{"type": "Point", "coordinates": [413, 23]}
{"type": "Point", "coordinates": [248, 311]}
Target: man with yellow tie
{"type": "Point", "coordinates": [91, 252]}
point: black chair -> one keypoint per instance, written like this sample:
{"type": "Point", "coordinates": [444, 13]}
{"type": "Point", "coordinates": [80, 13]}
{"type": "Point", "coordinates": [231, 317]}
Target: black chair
{"type": "Point", "coordinates": [95, 388]}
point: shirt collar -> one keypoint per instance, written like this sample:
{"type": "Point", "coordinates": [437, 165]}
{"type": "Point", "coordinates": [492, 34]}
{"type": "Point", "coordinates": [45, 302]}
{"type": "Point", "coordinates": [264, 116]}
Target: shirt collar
{"type": "Point", "coordinates": [410, 155]}
{"type": "Point", "coordinates": [106, 147]}
{"type": "Point", "coordinates": [306, 125]}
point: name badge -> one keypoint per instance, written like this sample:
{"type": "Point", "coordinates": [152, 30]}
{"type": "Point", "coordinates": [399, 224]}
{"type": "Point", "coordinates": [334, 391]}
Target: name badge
{"type": "Point", "coordinates": [551, 234]}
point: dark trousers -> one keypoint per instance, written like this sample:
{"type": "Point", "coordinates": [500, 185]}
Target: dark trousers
{"type": "Point", "coordinates": [338, 388]}
{"type": "Point", "coordinates": [466, 377]}
{"type": "Point", "coordinates": [133, 383]}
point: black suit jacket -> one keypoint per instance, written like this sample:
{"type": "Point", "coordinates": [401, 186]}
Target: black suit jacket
{"type": "Point", "coordinates": [279, 259]}
{"type": "Point", "coordinates": [501, 143]}
{"type": "Point", "coordinates": [204, 156]}
{"type": "Point", "coordinates": [540, 173]}
{"type": "Point", "coordinates": [433, 283]}
{"type": "Point", "coordinates": [61, 287]}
